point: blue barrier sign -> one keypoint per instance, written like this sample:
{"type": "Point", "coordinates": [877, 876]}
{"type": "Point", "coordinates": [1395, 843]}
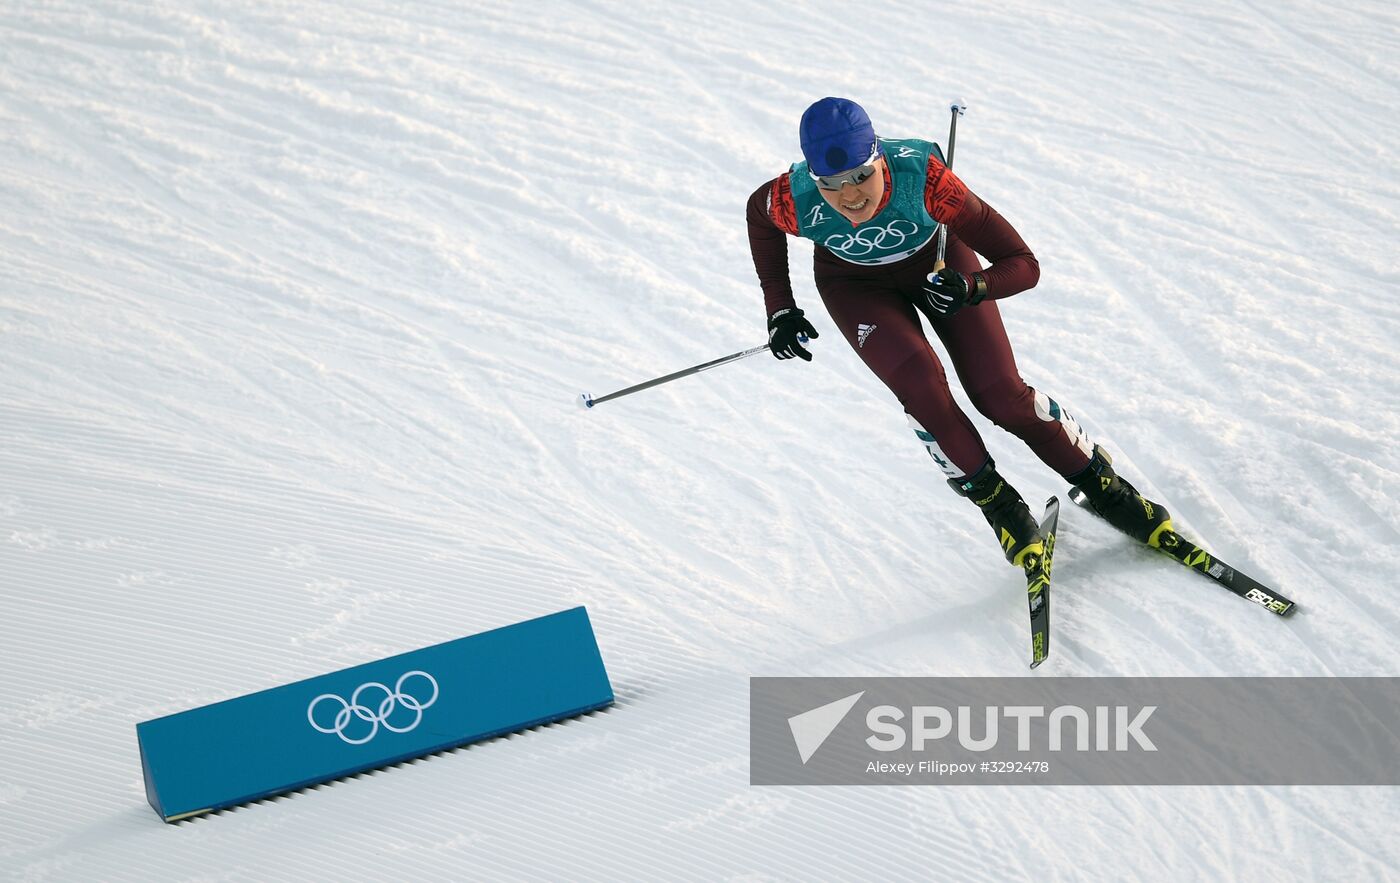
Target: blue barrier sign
{"type": "Point", "coordinates": [373, 715]}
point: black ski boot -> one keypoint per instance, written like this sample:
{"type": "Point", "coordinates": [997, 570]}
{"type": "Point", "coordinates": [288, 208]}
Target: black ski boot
{"type": "Point", "coordinates": [1119, 503]}
{"type": "Point", "coordinates": [1005, 511]}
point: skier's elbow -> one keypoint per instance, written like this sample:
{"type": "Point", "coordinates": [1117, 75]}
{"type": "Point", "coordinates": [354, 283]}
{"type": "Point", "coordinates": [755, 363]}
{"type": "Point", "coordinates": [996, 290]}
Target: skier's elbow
{"type": "Point", "coordinates": [1032, 271]}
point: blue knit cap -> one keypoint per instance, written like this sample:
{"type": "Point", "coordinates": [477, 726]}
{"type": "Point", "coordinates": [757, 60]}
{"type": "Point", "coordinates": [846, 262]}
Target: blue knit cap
{"type": "Point", "coordinates": [836, 136]}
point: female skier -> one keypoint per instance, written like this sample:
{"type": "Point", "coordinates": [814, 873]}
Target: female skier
{"type": "Point", "coordinates": [872, 206]}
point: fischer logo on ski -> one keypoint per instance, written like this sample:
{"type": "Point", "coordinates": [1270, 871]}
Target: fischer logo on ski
{"type": "Point", "coordinates": [1269, 601]}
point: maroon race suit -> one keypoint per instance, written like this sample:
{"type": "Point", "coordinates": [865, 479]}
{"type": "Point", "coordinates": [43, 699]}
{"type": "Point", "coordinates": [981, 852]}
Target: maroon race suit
{"type": "Point", "coordinates": [873, 306]}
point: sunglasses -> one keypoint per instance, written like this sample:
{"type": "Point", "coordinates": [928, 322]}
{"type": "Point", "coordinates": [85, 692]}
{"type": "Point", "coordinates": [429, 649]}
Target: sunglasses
{"type": "Point", "coordinates": [855, 176]}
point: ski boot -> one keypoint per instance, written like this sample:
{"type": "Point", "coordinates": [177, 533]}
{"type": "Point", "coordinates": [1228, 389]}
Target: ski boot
{"type": "Point", "coordinates": [1006, 512]}
{"type": "Point", "coordinates": [1119, 503]}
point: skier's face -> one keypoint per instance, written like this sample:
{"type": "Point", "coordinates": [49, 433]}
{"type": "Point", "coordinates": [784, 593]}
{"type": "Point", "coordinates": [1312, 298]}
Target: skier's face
{"type": "Point", "coordinates": [858, 202]}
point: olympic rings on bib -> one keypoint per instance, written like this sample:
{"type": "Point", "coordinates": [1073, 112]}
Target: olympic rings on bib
{"type": "Point", "coordinates": [863, 242]}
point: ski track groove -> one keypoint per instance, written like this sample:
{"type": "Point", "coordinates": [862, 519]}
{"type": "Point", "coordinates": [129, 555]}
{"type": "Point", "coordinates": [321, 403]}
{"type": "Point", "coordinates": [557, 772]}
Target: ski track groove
{"type": "Point", "coordinates": [1308, 44]}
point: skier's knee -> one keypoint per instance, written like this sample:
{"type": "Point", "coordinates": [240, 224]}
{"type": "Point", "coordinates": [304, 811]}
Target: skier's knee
{"type": "Point", "coordinates": [918, 378]}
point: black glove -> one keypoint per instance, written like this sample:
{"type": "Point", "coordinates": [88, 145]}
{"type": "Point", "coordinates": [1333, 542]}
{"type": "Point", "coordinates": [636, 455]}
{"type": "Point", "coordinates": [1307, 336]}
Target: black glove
{"type": "Point", "coordinates": [787, 331]}
{"type": "Point", "coordinates": [948, 291]}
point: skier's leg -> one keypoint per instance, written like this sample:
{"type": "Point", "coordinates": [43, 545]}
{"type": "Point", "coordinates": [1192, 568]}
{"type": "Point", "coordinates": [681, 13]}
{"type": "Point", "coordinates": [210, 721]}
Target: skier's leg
{"type": "Point", "coordinates": [981, 353]}
{"type": "Point", "coordinates": [884, 330]}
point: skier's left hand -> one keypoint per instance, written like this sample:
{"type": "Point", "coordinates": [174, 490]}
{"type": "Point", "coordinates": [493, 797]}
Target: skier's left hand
{"type": "Point", "coordinates": [948, 291]}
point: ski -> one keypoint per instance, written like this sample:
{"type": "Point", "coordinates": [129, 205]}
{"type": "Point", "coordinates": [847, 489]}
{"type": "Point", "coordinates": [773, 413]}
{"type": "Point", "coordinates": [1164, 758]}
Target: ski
{"type": "Point", "coordinates": [1038, 584]}
{"type": "Point", "coordinates": [1193, 556]}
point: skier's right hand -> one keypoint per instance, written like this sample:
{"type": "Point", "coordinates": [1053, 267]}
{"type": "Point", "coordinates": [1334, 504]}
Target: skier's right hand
{"type": "Point", "coordinates": [787, 331]}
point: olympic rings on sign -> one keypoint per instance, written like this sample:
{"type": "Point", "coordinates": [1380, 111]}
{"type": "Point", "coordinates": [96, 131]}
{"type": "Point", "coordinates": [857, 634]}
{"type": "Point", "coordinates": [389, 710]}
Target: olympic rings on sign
{"type": "Point", "coordinates": [386, 706]}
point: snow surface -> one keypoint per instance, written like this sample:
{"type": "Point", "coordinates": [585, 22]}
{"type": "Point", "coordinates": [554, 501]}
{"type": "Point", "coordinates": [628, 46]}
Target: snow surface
{"type": "Point", "coordinates": [295, 299]}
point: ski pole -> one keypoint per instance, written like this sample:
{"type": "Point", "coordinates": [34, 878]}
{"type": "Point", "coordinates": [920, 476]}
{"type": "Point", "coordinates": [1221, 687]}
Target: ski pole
{"type": "Point", "coordinates": [958, 108]}
{"type": "Point", "coordinates": [587, 401]}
